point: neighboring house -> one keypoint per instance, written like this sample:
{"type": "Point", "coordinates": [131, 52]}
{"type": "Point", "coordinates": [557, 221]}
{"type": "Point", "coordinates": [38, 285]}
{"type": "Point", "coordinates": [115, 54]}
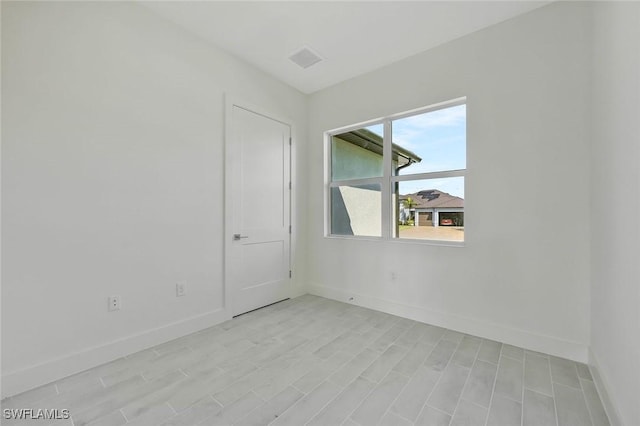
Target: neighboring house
{"type": "Point", "coordinates": [358, 154]}
{"type": "Point", "coordinates": [355, 210]}
{"type": "Point", "coordinates": [432, 207]}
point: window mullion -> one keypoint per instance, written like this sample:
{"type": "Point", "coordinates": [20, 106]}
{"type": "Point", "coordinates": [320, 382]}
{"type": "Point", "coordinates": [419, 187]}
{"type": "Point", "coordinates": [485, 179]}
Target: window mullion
{"type": "Point", "coordinates": [355, 182]}
{"type": "Point", "coordinates": [386, 181]}
{"type": "Point", "coordinates": [429, 175]}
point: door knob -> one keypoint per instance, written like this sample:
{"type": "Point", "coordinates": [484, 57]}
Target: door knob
{"type": "Point", "coordinates": [237, 237]}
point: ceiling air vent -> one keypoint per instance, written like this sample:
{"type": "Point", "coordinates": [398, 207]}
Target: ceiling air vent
{"type": "Point", "coordinates": [304, 58]}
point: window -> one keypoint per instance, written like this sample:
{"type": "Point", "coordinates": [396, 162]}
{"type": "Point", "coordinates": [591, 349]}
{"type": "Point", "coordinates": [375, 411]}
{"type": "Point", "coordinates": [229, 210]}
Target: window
{"type": "Point", "coordinates": [401, 177]}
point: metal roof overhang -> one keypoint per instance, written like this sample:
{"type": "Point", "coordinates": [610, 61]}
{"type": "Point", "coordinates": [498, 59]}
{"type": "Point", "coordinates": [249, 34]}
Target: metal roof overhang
{"type": "Point", "coordinates": [373, 142]}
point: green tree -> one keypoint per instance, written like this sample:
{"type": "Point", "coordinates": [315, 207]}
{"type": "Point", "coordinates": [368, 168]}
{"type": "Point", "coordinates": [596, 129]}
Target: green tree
{"type": "Point", "coordinates": [409, 203]}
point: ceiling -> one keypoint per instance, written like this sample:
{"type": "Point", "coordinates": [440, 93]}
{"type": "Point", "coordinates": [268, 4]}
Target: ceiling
{"type": "Point", "coordinates": [352, 37]}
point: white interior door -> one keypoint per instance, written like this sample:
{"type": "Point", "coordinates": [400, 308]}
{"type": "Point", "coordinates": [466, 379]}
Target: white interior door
{"type": "Point", "coordinates": [258, 213]}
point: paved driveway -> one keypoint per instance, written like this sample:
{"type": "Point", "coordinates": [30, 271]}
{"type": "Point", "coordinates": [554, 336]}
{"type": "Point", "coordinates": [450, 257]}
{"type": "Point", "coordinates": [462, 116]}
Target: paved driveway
{"type": "Point", "coordinates": [444, 233]}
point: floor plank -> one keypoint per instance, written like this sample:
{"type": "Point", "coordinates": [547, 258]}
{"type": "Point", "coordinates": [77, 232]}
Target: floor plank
{"type": "Point", "coordinates": [317, 361]}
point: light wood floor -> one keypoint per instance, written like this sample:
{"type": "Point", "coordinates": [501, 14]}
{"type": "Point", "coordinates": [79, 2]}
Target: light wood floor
{"type": "Point", "coordinates": [319, 362]}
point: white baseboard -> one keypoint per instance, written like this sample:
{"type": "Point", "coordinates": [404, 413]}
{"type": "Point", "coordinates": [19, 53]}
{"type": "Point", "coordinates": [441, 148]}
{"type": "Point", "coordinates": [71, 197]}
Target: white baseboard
{"type": "Point", "coordinates": [602, 386]}
{"type": "Point", "coordinates": [16, 382]}
{"type": "Point", "coordinates": [298, 292]}
{"type": "Point", "coordinates": [540, 343]}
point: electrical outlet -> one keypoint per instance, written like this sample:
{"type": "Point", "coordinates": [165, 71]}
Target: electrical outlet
{"type": "Point", "coordinates": [114, 303]}
{"type": "Point", "coordinates": [181, 289]}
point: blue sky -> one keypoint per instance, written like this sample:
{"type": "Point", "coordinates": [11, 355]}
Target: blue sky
{"type": "Point", "coordinates": [439, 138]}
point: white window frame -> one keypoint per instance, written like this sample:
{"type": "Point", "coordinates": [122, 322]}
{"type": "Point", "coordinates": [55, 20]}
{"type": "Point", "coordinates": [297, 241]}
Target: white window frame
{"type": "Point", "coordinates": [387, 180]}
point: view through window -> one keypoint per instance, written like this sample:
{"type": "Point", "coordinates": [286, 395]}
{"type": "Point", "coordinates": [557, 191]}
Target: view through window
{"type": "Point", "coordinates": [402, 177]}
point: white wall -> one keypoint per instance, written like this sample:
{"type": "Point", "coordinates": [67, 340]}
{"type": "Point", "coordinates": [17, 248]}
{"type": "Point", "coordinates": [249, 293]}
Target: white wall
{"type": "Point", "coordinates": [615, 200]}
{"type": "Point", "coordinates": [112, 182]}
{"type": "Point", "coordinates": [523, 275]}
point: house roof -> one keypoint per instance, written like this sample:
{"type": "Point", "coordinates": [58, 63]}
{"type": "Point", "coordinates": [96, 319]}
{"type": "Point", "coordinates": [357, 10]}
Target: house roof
{"type": "Point", "coordinates": [371, 141]}
{"type": "Point", "coordinates": [433, 198]}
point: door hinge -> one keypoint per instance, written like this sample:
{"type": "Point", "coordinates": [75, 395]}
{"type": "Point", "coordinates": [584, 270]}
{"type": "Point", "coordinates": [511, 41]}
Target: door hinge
{"type": "Point", "coordinates": [289, 185]}
{"type": "Point", "coordinates": [289, 228]}
{"type": "Point", "coordinates": [289, 274]}
{"type": "Point", "coordinates": [289, 140]}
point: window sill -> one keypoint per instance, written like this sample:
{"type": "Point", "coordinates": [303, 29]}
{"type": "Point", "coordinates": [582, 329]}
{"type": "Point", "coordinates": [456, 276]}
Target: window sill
{"type": "Point", "coordinates": [441, 243]}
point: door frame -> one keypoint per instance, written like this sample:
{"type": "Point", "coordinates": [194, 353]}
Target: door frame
{"type": "Point", "coordinates": [230, 102]}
